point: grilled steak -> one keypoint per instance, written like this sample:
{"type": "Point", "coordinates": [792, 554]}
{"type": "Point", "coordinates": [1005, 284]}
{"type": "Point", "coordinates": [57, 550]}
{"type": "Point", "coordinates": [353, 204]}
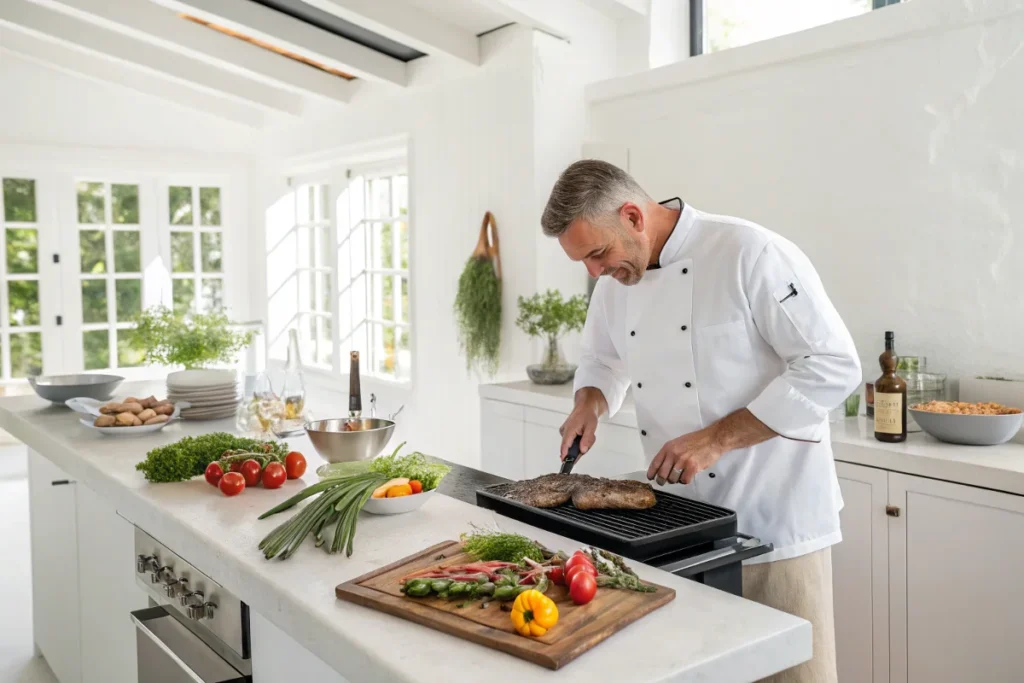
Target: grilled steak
{"type": "Point", "coordinates": [586, 492]}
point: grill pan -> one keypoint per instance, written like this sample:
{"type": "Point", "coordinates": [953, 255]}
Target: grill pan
{"type": "Point", "coordinates": [673, 523]}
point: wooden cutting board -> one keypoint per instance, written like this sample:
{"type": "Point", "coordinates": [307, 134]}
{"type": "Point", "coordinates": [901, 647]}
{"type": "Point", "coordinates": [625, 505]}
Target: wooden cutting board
{"type": "Point", "coordinates": [579, 627]}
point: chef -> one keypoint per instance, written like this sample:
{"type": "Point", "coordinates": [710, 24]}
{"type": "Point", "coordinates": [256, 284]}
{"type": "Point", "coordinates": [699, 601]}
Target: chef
{"type": "Point", "coordinates": [734, 356]}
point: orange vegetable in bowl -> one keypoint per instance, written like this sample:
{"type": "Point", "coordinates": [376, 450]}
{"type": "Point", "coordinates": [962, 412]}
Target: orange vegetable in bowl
{"type": "Point", "coordinates": [399, 490]}
{"type": "Point", "coordinates": [417, 486]}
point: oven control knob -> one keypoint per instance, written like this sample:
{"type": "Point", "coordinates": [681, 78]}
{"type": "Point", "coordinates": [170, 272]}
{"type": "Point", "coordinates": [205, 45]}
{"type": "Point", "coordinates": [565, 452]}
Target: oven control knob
{"type": "Point", "coordinates": [172, 588]}
{"type": "Point", "coordinates": [144, 562]}
{"type": "Point", "coordinates": [201, 611]}
{"type": "Point", "coordinates": [157, 574]}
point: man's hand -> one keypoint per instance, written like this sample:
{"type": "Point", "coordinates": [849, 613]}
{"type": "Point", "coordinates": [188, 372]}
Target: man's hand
{"type": "Point", "coordinates": [590, 405]}
{"type": "Point", "coordinates": [680, 460]}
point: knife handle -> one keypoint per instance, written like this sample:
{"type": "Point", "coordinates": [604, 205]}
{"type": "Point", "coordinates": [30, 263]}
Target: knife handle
{"type": "Point", "coordinates": [572, 455]}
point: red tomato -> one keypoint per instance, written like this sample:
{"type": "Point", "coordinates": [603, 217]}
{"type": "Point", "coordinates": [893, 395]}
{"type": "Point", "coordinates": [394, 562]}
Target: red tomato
{"type": "Point", "coordinates": [213, 473]}
{"type": "Point", "coordinates": [582, 588]}
{"type": "Point", "coordinates": [417, 486]}
{"type": "Point", "coordinates": [577, 570]}
{"type": "Point", "coordinates": [274, 475]}
{"type": "Point", "coordinates": [295, 465]}
{"type": "Point", "coordinates": [557, 576]}
{"type": "Point", "coordinates": [232, 483]}
{"type": "Point", "coordinates": [251, 470]}
{"type": "Point", "coordinates": [578, 558]}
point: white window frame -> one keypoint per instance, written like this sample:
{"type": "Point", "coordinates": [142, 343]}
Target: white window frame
{"type": "Point", "coordinates": [196, 229]}
{"type": "Point", "coordinates": [336, 178]}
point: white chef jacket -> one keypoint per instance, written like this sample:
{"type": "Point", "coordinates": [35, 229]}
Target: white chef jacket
{"type": "Point", "coordinates": [715, 328]}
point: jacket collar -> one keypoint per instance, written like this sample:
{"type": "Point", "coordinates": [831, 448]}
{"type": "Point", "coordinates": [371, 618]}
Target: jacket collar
{"type": "Point", "coordinates": [673, 249]}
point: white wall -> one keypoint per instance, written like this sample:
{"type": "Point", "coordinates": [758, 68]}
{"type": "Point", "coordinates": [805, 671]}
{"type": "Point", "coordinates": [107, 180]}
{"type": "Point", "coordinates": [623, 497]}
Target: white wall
{"type": "Point", "coordinates": [888, 146]}
{"type": "Point", "coordinates": [470, 151]}
{"type": "Point", "coordinates": [44, 106]}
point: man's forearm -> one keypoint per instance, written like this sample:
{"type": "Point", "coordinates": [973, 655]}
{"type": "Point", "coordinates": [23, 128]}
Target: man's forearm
{"type": "Point", "coordinates": [739, 430]}
{"type": "Point", "coordinates": [592, 397]}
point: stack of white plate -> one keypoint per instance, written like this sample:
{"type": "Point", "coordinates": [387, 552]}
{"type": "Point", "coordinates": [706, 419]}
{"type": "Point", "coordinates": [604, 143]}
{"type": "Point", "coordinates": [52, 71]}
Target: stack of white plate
{"type": "Point", "coordinates": [213, 394]}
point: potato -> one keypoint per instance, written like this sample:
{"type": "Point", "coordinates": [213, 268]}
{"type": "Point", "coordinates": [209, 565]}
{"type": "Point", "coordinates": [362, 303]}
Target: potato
{"type": "Point", "coordinates": [130, 399]}
{"type": "Point", "coordinates": [105, 421]}
{"type": "Point", "coordinates": [157, 420]}
{"type": "Point", "coordinates": [125, 419]}
{"type": "Point", "coordinates": [148, 402]}
{"type": "Point", "coordinates": [136, 422]}
{"type": "Point", "coordinates": [146, 414]}
{"type": "Point", "coordinates": [111, 409]}
{"type": "Point", "coordinates": [164, 409]}
{"type": "Point", "coordinates": [133, 408]}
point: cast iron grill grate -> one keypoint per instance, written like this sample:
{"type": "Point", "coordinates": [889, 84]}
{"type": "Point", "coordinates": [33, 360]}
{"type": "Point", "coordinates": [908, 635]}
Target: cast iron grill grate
{"type": "Point", "coordinates": [672, 523]}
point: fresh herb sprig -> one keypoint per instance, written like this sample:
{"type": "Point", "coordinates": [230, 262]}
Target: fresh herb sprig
{"type": "Point", "coordinates": [187, 458]}
{"type": "Point", "coordinates": [496, 545]}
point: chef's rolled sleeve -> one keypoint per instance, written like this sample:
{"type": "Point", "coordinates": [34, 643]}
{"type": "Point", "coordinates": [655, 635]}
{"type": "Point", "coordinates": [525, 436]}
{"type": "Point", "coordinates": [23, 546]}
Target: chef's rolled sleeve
{"type": "Point", "coordinates": [600, 365]}
{"type": "Point", "coordinates": [794, 316]}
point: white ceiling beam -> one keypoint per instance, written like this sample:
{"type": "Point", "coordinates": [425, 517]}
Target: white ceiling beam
{"type": "Point", "coordinates": [97, 69]}
{"type": "Point", "coordinates": [282, 31]}
{"type": "Point", "coordinates": [60, 28]}
{"type": "Point", "coordinates": [160, 26]}
{"type": "Point", "coordinates": [408, 24]}
{"type": "Point", "coordinates": [621, 10]}
{"type": "Point", "coordinates": [542, 15]}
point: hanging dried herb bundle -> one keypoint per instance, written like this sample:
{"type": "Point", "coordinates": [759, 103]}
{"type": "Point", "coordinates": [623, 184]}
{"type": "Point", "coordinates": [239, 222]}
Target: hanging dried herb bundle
{"type": "Point", "coordinates": [478, 303]}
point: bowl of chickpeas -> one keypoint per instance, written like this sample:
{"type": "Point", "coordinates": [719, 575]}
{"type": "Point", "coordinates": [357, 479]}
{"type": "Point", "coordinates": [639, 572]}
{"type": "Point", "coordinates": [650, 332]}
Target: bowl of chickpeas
{"type": "Point", "coordinates": [968, 424]}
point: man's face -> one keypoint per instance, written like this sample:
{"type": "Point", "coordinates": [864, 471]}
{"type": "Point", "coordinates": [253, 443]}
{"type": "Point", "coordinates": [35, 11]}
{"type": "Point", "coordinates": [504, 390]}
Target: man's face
{"type": "Point", "coordinates": [620, 249]}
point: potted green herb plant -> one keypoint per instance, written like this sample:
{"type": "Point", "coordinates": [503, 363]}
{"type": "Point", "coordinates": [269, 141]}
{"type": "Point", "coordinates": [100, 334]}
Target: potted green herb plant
{"type": "Point", "coordinates": [549, 316]}
{"type": "Point", "coordinates": [194, 341]}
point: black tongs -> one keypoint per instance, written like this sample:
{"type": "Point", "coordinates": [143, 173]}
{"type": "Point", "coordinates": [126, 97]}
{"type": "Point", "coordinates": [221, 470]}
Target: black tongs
{"type": "Point", "coordinates": [572, 456]}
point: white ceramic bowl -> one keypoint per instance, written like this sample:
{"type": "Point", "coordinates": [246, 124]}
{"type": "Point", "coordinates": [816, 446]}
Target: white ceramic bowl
{"type": "Point", "coordinates": [969, 430]}
{"type": "Point", "coordinates": [400, 505]}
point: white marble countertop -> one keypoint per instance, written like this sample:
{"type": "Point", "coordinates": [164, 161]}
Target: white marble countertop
{"type": "Point", "coordinates": [1000, 468]}
{"type": "Point", "coordinates": [702, 635]}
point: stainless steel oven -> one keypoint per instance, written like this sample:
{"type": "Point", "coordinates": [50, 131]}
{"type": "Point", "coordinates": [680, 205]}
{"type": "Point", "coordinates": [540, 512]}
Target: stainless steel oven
{"type": "Point", "coordinates": [194, 631]}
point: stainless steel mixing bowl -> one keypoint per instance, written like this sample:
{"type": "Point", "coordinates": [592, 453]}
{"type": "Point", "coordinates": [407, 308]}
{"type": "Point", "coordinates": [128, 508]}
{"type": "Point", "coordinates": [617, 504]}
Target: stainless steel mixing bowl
{"type": "Point", "coordinates": [60, 388]}
{"type": "Point", "coordinates": [334, 444]}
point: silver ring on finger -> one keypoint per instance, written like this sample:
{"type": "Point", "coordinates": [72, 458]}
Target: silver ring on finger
{"type": "Point", "coordinates": [673, 477]}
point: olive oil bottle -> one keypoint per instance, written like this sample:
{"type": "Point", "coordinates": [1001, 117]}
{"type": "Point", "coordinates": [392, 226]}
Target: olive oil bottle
{"type": "Point", "coordinates": [890, 397]}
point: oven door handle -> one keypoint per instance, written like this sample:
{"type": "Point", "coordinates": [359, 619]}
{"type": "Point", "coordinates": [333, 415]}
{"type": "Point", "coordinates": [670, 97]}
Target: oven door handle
{"type": "Point", "coordinates": [185, 668]}
{"type": "Point", "coordinates": [747, 544]}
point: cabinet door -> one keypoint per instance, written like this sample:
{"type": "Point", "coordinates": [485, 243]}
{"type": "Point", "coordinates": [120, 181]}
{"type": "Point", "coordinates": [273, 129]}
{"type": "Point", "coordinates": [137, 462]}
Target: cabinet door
{"type": "Point", "coordinates": [501, 438]}
{"type": "Point", "coordinates": [277, 658]}
{"type": "Point", "coordinates": [860, 577]}
{"type": "Point", "coordinates": [616, 452]}
{"type": "Point", "coordinates": [957, 595]}
{"type": "Point", "coordinates": [106, 570]}
{"type": "Point", "coordinates": [55, 595]}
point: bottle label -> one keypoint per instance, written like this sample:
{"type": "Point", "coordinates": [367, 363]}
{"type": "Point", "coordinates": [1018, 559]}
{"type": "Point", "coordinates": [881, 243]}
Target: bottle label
{"type": "Point", "coordinates": [888, 413]}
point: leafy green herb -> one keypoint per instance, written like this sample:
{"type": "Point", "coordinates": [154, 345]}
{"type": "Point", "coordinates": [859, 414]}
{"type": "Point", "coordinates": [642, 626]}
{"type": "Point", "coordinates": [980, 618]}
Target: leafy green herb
{"type": "Point", "coordinates": [478, 314]}
{"type": "Point", "coordinates": [195, 340]}
{"type": "Point", "coordinates": [496, 545]}
{"type": "Point", "coordinates": [412, 466]}
{"type": "Point", "coordinates": [188, 457]}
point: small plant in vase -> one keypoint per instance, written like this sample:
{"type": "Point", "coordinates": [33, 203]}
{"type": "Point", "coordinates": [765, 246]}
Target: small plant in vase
{"type": "Point", "coordinates": [194, 341]}
{"type": "Point", "coordinates": [549, 316]}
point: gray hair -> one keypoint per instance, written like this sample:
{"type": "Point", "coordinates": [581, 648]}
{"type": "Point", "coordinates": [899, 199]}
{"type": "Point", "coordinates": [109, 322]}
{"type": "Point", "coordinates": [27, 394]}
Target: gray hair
{"type": "Point", "coordinates": [590, 189]}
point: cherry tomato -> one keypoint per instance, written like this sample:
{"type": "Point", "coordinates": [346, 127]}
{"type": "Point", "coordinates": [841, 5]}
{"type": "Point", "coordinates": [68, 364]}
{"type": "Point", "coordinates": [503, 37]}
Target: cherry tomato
{"type": "Point", "coordinates": [577, 558]}
{"type": "Point", "coordinates": [557, 576]}
{"type": "Point", "coordinates": [417, 486]}
{"type": "Point", "coordinates": [251, 470]}
{"type": "Point", "coordinates": [295, 465]}
{"type": "Point", "coordinates": [579, 569]}
{"type": "Point", "coordinates": [582, 588]}
{"type": "Point", "coordinates": [274, 475]}
{"type": "Point", "coordinates": [232, 483]}
{"type": "Point", "coordinates": [235, 466]}
{"type": "Point", "coordinates": [213, 473]}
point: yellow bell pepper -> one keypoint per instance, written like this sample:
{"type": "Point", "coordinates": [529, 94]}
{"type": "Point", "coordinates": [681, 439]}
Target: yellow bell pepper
{"type": "Point", "coordinates": [534, 613]}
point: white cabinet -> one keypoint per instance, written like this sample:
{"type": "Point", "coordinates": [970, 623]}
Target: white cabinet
{"type": "Point", "coordinates": [106, 574]}
{"type": "Point", "coordinates": [617, 449]}
{"type": "Point", "coordinates": [277, 658]}
{"type": "Point", "coordinates": [860, 576]}
{"type": "Point", "coordinates": [956, 586]}
{"type": "Point", "coordinates": [502, 438]}
{"type": "Point", "coordinates": [55, 592]}
{"type": "Point", "coordinates": [927, 581]}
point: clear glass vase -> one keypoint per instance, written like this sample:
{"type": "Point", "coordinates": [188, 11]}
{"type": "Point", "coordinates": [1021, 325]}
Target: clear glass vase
{"type": "Point", "coordinates": [552, 368]}
{"type": "Point", "coordinates": [258, 411]}
{"type": "Point", "coordinates": [293, 417]}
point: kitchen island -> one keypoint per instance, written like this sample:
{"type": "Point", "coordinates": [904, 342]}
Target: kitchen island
{"type": "Point", "coordinates": [299, 629]}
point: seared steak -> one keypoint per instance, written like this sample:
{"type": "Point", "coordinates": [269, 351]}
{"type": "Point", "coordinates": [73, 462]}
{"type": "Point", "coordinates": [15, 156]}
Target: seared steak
{"type": "Point", "coordinates": [586, 492]}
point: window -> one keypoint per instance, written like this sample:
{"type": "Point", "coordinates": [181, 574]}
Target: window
{"type": "Point", "coordinates": [717, 25]}
{"type": "Point", "coordinates": [21, 338]}
{"type": "Point", "coordinates": [197, 244]}
{"type": "Point", "coordinates": [110, 272]}
{"type": "Point", "coordinates": [349, 286]}
{"type": "Point", "coordinates": [373, 271]}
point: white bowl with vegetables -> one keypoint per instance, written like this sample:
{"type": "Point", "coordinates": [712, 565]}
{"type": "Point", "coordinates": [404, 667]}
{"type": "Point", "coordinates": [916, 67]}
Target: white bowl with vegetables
{"type": "Point", "coordinates": [413, 481]}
